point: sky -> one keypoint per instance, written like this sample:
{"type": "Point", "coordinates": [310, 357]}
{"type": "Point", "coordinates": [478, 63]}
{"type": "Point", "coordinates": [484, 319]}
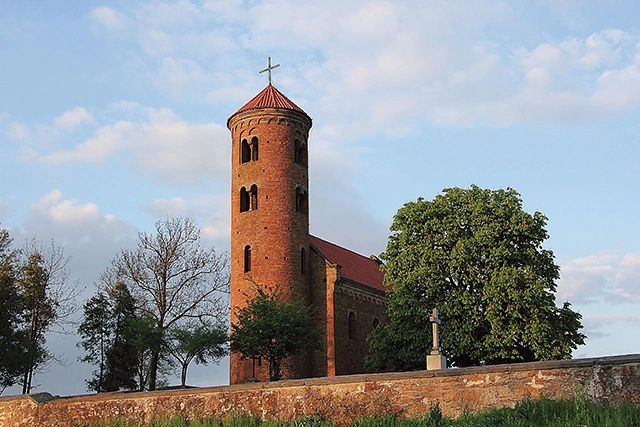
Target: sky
{"type": "Point", "coordinates": [113, 116]}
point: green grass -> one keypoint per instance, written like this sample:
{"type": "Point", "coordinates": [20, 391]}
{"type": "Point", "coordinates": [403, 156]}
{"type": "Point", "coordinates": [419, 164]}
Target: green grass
{"type": "Point", "coordinates": [528, 413]}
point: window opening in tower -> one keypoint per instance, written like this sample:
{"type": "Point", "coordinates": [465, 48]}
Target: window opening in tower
{"type": "Point", "coordinates": [253, 195]}
{"type": "Point", "coordinates": [244, 200]}
{"type": "Point", "coordinates": [247, 259]}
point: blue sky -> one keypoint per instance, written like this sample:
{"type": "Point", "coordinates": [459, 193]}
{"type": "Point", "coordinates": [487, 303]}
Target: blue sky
{"type": "Point", "coordinates": [113, 115]}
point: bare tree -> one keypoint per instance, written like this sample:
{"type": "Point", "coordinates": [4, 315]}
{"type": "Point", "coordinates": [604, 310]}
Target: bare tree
{"type": "Point", "coordinates": [172, 277]}
{"type": "Point", "coordinates": [49, 301]}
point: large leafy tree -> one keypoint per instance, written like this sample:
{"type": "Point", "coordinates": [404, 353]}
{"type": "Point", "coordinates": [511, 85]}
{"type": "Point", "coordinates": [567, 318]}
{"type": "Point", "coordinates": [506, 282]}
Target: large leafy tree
{"type": "Point", "coordinates": [122, 356]}
{"type": "Point", "coordinates": [172, 277]}
{"type": "Point", "coordinates": [12, 353]}
{"type": "Point", "coordinates": [273, 329]}
{"type": "Point", "coordinates": [117, 340]}
{"type": "Point", "coordinates": [202, 342]}
{"type": "Point", "coordinates": [478, 257]}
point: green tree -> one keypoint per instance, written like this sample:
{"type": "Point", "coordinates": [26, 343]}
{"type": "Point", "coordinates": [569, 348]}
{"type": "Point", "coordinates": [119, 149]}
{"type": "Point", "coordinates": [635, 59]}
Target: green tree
{"type": "Point", "coordinates": [273, 329]}
{"type": "Point", "coordinates": [202, 342]}
{"type": "Point", "coordinates": [147, 336]}
{"type": "Point", "coordinates": [122, 356]}
{"type": "Point", "coordinates": [172, 277]}
{"type": "Point", "coordinates": [476, 256]}
{"type": "Point", "coordinates": [116, 340]}
{"type": "Point", "coordinates": [97, 330]}
{"type": "Point", "coordinates": [12, 356]}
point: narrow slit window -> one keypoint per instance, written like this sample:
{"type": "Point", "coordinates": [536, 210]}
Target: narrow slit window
{"type": "Point", "coordinates": [303, 261]}
{"type": "Point", "coordinates": [247, 259]}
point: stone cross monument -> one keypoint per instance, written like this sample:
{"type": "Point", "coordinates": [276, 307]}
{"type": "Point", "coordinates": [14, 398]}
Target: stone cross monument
{"type": "Point", "coordinates": [435, 360]}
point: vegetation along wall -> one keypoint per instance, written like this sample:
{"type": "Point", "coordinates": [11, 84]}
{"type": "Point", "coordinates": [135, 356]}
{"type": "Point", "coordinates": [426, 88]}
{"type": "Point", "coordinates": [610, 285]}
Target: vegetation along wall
{"type": "Point", "coordinates": [342, 399]}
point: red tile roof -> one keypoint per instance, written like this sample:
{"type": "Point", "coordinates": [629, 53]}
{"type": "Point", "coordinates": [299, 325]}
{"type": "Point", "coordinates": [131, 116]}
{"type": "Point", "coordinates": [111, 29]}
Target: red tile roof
{"type": "Point", "coordinates": [355, 267]}
{"type": "Point", "coordinates": [270, 97]}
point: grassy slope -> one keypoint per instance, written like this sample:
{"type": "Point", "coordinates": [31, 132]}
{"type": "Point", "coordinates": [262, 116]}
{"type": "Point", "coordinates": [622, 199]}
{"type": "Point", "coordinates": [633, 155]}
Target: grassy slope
{"type": "Point", "coordinates": [543, 413]}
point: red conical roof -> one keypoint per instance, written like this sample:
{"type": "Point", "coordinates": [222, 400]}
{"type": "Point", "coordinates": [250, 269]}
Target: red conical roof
{"type": "Point", "coordinates": [270, 97]}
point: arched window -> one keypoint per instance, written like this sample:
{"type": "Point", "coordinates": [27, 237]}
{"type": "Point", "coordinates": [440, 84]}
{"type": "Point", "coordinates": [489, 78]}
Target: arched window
{"type": "Point", "coordinates": [253, 193]}
{"type": "Point", "coordinates": [376, 322]}
{"type": "Point", "coordinates": [300, 152]}
{"type": "Point", "coordinates": [245, 150]}
{"type": "Point", "coordinates": [352, 325]}
{"type": "Point", "coordinates": [303, 261]}
{"type": "Point", "coordinates": [303, 154]}
{"type": "Point", "coordinates": [247, 259]}
{"type": "Point", "coordinates": [244, 200]}
{"type": "Point", "coordinates": [301, 201]}
{"type": "Point", "coordinates": [254, 148]}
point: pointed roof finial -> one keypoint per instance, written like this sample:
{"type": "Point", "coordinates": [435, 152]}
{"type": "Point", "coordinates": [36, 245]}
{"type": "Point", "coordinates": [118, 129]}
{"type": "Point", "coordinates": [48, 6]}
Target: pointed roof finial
{"type": "Point", "coordinates": [268, 69]}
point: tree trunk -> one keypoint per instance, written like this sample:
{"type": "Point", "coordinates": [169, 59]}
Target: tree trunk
{"type": "Point", "coordinates": [153, 368]}
{"type": "Point", "coordinates": [184, 374]}
{"type": "Point", "coordinates": [28, 372]}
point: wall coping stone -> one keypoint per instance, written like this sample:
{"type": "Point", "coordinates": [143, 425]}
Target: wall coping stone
{"type": "Point", "coordinates": [44, 398]}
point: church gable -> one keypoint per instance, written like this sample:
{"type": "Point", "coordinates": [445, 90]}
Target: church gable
{"type": "Point", "coordinates": [354, 267]}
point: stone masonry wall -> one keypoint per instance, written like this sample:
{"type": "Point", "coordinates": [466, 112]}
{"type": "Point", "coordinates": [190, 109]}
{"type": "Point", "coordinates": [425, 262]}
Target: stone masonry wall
{"type": "Point", "coordinates": [341, 399]}
{"type": "Point", "coordinates": [367, 306]}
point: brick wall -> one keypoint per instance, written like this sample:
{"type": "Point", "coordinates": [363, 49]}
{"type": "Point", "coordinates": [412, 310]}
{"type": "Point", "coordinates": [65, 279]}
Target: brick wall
{"type": "Point", "coordinates": [322, 277]}
{"type": "Point", "coordinates": [275, 231]}
{"type": "Point", "coordinates": [343, 398]}
{"type": "Point", "coordinates": [366, 305]}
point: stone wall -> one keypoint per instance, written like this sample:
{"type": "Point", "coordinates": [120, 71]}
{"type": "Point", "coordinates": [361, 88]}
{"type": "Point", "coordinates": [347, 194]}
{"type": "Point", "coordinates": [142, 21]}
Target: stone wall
{"type": "Point", "coordinates": [367, 305]}
{"type": "Point", "coordinates": [343, 398]}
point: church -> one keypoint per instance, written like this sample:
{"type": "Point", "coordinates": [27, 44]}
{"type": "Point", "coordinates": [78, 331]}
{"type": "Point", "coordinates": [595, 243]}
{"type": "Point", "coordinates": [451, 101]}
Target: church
{"type": "Point", "coordinates": [271, 245]}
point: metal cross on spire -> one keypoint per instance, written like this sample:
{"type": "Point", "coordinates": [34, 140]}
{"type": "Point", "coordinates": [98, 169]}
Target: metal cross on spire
{"type": "Point", "coordinates": [268, 69]}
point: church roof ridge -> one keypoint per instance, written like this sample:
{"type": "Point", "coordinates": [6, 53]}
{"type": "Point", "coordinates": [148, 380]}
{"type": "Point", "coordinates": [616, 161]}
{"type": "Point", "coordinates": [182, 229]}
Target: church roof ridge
{"type": "Point", "coordinates": [269, 97]}
{"type": "Point", "coordinates": [356, 267]}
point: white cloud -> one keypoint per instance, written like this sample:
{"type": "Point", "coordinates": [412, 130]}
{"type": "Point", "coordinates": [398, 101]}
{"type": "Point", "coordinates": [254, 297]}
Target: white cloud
{"type": "Point", "coordinates": [211, 210]}
{"type": "Point", "coordinates": [72, 222]}
{"type": "Point", "coordinates": [88, 235]}
{"type": "Point", "coordinates": [178, 75]}
{"type": "Point", "coordinates": [17, 131]}
{"type": "Point", "coordinates": [161, 143]}
{"type": "Point", "coordinates": [383, 62]}
{"type": "Point", "coordinates": [618, 89]}
{"type": "Point", "coordinates": [66, 213]}
{"type": "Point", "coordinates": [160, 208]}
{"type": "Point", "coordinates": [4, 207]}
{"type": "Point", "coordinates": [71, 119]}
{"type": "Point", "coordinates": [112, 22]}
{"type": "Point", "coordinates": [106, 141]}
{"type": "Point", "coordinates": [604, 277]}
{"type": "Point", "coordinates": [600, 325]}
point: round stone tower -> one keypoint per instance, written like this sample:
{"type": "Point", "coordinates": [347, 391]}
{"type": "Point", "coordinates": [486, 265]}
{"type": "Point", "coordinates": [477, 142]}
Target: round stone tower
{"type": "Point", "coordinates": [269, 211]}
